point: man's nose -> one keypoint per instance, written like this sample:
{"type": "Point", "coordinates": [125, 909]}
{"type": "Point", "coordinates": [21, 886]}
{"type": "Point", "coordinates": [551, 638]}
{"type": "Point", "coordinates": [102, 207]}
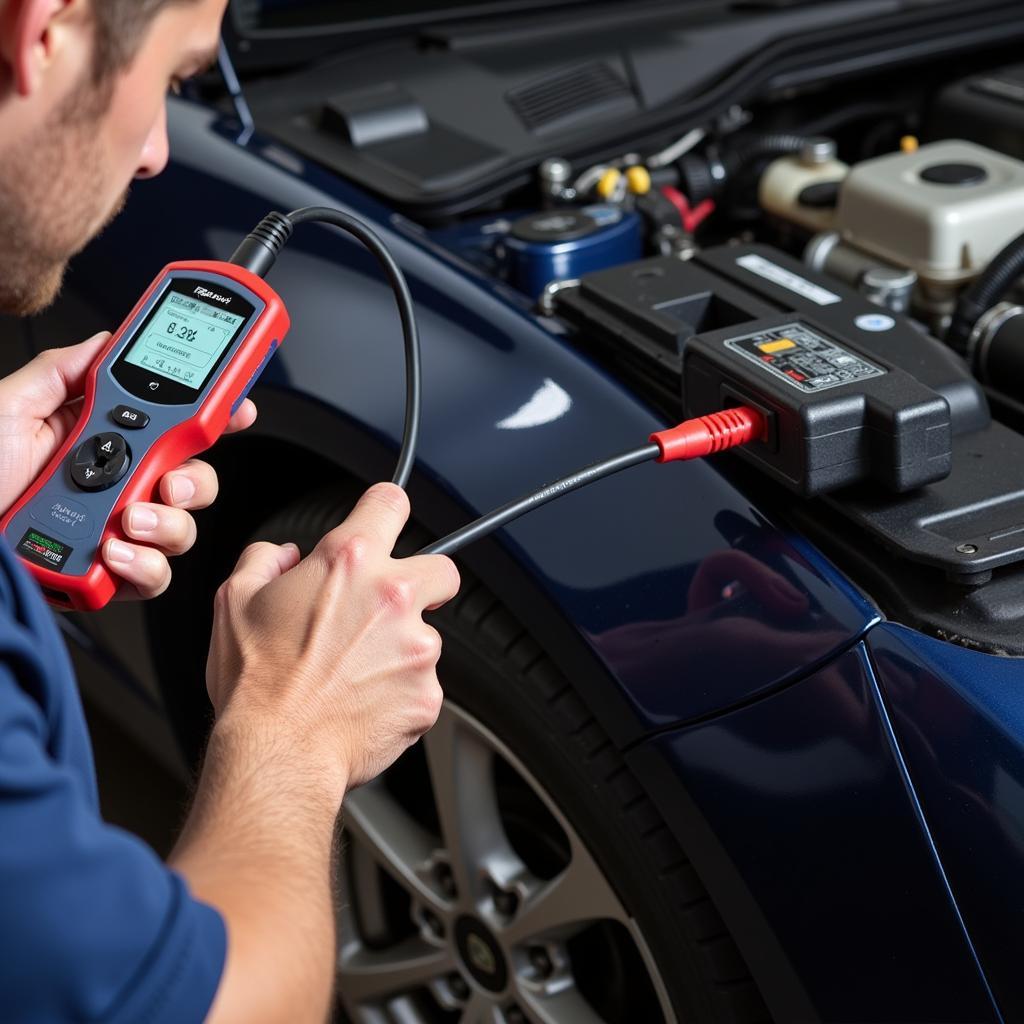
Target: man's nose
{"type": "Point", "coordinates": [156, 151]}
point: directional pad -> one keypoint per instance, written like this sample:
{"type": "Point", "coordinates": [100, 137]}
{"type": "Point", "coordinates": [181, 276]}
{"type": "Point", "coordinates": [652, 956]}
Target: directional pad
{"type": "Point", "coordinates": [100, 462]}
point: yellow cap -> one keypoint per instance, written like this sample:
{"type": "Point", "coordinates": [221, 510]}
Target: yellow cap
{"type": "Point", "coordinates": [639, 179]}
{"type": "Point", "coordinates": [608, 183]}
{"type": "Point", "coordinates": [909, 144]}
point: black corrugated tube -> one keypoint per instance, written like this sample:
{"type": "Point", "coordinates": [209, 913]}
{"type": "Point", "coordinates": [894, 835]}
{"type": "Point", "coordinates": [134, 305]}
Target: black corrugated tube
{"type": "Point", "coordinates": [988, 288]}
{"type": "Point", "coordinates": [697, 171]}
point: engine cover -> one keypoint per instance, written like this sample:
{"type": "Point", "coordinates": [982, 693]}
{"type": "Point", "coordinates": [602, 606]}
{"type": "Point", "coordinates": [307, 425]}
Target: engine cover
{"type": "Point", "coordinates": [647, 316]}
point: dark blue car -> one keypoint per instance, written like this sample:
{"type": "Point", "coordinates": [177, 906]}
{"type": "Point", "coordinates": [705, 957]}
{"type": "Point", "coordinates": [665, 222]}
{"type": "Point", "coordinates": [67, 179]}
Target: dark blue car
{"type": "Point", "coordinates": [732, 740]}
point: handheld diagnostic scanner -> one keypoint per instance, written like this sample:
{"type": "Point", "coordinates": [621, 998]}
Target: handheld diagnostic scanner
{"type": "Point", "coordinates": [161, 391]}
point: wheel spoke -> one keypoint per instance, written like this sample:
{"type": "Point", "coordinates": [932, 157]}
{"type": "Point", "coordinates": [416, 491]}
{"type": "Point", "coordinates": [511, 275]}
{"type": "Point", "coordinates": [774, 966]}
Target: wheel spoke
{"type": "Point", "coordinates": [394, 839]}
{"type": "Point", "coordinates": [480, 1010]}
{"type": "Point", "coordinates": [372, 976]}
{"type": "Point", "coordinates": [462, 774]}
{"type": "Point", "coordinates": [558, 908]}
{"type": "Point", "coordinates": [566, 1006]}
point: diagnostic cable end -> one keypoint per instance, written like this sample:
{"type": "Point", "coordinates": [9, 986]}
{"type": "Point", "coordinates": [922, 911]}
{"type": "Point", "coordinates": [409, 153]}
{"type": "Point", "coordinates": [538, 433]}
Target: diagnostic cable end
{"type": "Point", "coordinates": [708, 435]}
{"type": "Point", "coordinates": [260, 248]}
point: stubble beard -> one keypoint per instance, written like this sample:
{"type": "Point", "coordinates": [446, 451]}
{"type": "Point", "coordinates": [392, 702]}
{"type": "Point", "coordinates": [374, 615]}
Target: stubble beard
{"type": "Point", "coordinates": [52, 202]}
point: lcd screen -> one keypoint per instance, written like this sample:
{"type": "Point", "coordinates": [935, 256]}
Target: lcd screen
{"type": "Point", "coordinates": [184, 339]}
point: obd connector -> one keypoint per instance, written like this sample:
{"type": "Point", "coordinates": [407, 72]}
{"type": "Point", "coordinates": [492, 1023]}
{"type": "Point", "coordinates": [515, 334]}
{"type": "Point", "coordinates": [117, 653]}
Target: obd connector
{"type": "Point", "coordinates": [836, 415]}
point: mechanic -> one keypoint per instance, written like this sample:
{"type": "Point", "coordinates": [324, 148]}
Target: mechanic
{"type": "Point", "coordinates": [322, 671]}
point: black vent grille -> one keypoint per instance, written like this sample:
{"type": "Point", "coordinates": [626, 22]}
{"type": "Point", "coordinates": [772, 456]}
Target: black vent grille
{"type": "Point", "coordinates": [570, 95]}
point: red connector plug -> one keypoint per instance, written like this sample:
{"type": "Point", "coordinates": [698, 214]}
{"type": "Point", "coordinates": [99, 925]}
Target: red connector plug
{"type": "Point", "coordinates": [707, 435]}
{"type": "Point", "coordinates": [691, 217]}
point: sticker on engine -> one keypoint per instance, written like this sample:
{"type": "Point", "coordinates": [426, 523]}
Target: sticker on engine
{"type": "Point", "coordinates": [787, 279]}
{"type": "Point", "coordinates": [804, 358]}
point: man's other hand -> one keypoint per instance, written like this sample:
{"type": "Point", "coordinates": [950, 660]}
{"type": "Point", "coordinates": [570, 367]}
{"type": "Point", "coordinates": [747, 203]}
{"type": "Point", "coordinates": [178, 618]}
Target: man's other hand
{"type": "Point", "coordinates": [332, 653]}
{"type": "Point", "coordinates": [39, 407]}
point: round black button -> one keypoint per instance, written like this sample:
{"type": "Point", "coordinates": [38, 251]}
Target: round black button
{"type": "Point", "coordinates": [954, 174]}
{"type": "Point", "coordinates": [554, 226]}
{"type": "Point", "coordinates": [100, 462]}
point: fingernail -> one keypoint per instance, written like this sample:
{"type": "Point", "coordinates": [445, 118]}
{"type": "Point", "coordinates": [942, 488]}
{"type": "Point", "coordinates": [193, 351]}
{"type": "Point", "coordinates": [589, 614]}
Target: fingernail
{"type": "Point", "coordinates": [143, 520]}
{"type": "Point", "coordinates": [119, 552]}
{"type": "Point", "coordinates": [182, 489]}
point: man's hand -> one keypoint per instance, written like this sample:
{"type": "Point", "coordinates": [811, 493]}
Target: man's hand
{"type": "Point", "coordinates": [322, 672]}
{"type": "Point", "coordinates": [39, 407]}
{"type": "Point", "coordinates": [333, 653]}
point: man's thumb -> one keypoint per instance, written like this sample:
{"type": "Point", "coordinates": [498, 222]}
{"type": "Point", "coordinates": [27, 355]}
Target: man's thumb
{"type": "Point", "coordinates": [262, 563]}
{"type": "Point", "coordinates": [53, 378]}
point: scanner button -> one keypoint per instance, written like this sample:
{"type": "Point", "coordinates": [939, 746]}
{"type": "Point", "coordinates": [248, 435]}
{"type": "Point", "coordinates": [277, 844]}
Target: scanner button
{"type": "Point", "coordinates": [116, 466]}
{"type": "Point", "coordinates": [129, 418]}
{"type": "Point", "coordinates": [100, 462]}
{"type": "Point", "coordinates": [108, 447]}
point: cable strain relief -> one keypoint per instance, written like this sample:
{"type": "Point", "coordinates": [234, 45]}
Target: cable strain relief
{"type": "Point", "coordinates": [708, 435]}
{"type": "Point", "coordinates": [261, 247]}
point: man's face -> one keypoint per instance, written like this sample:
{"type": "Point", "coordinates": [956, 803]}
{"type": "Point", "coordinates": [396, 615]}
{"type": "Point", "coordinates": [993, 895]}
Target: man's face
{"type": "Point", "coordinates": [66, 175]}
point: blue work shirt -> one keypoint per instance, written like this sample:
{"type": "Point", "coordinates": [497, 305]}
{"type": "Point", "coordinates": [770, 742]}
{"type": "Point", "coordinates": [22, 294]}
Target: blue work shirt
{"type": "Point", "coordinates": [93, 926]}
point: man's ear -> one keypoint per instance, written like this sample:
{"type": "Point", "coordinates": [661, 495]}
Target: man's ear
{"type": "Point", "coordinates": [26, 43]}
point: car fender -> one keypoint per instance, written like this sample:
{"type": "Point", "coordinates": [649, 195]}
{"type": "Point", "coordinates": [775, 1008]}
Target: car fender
{"type": "Point", "coordinates": [664, 592]}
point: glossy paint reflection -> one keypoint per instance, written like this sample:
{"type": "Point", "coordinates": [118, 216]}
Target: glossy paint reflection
{"type": "Point", "coordinates": [755, 612]}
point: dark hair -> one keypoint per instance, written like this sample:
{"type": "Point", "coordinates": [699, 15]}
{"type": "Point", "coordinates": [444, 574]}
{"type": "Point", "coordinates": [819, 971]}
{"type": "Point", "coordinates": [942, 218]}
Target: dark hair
{"type": "Point", "coordinates": [120, 28]}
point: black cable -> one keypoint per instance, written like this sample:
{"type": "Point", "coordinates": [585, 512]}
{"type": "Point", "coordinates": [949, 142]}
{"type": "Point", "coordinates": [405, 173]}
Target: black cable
{"type": "Point", "coordinates": [514, 509]}
{"type": "Point", "coordinates": [260, 249]}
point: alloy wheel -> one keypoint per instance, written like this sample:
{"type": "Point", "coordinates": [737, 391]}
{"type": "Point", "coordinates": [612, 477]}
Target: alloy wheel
{"type": "Point", "coordinates": [466, 895]}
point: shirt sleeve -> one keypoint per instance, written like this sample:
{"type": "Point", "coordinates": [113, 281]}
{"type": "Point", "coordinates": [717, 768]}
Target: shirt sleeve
{"type": "Point", "coordinates": [93, 926]}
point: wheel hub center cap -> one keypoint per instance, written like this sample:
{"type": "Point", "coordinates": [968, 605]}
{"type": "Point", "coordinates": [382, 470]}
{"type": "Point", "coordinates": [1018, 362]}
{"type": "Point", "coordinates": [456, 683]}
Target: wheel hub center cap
{"type": "Point", "coordinates": [481, 954]}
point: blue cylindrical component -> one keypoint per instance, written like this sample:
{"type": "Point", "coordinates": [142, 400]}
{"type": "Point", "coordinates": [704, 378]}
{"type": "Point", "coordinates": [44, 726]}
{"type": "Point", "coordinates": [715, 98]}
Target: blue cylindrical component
{"type": "Point", "coordinates": [556, 245]}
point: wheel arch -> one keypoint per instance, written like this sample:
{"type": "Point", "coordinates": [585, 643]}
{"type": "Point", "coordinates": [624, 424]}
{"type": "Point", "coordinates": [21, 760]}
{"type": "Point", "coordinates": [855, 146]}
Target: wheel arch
{"type": "Point", "coordinates": [320, 443]}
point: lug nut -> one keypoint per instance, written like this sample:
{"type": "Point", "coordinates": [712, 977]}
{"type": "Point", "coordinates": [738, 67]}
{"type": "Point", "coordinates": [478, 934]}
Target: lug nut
{"type": "Point", "coordinates": [433, 923]}
{"type": "Point", "coordinates": [445, 881]}
{"type": "Point", "coordinates": [506, 902]}
{"type": "Point", "coordinates": [458, 986]}
{"type": "Point", "coordinates": [541, 962]}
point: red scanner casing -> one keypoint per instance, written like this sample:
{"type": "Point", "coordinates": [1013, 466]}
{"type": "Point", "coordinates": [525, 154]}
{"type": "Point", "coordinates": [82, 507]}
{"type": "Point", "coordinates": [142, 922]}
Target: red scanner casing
{"type": "Point", "coordinates": [198, 432]}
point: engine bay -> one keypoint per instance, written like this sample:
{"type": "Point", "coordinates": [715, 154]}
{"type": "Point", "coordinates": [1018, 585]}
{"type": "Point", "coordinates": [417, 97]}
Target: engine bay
{"type": "Point", "coordinates": [822, 227]}
{"type": "Point", "coordinates": [908, 258]}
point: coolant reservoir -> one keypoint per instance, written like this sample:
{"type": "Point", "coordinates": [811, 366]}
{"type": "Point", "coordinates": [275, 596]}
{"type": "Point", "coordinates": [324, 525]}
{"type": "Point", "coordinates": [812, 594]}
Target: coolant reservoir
{"type": "Point", "coordinates": [804, 188]}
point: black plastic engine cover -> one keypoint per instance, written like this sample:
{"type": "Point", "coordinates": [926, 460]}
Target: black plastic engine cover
{"type": "Point", "coordinates": [835, 417]}
{"type": "Point", "coordinates": [645, 316]}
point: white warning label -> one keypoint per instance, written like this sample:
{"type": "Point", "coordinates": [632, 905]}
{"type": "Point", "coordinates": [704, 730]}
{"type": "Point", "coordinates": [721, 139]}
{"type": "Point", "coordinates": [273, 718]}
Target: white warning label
{"type": "Point", "coordinates": [787, 279]}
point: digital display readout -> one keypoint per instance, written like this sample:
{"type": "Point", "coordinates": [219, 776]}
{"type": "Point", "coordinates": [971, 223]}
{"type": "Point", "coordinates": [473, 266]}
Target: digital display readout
{"type": "Point", "coordinates": [184, 339]}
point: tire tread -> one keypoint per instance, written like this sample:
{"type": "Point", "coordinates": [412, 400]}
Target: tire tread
{"type": "Point", "coordinates": [737, 997]}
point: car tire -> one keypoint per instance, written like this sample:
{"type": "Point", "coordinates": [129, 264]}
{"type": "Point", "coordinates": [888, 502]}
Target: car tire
{"type": "Point", "coordinates": [506, 694]}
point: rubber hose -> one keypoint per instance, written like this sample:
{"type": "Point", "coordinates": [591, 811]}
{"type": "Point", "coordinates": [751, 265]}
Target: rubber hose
{"type": "Point", "coordinates": [695, 173]}
{"type": "Point", "coordinates": [988, 288]}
